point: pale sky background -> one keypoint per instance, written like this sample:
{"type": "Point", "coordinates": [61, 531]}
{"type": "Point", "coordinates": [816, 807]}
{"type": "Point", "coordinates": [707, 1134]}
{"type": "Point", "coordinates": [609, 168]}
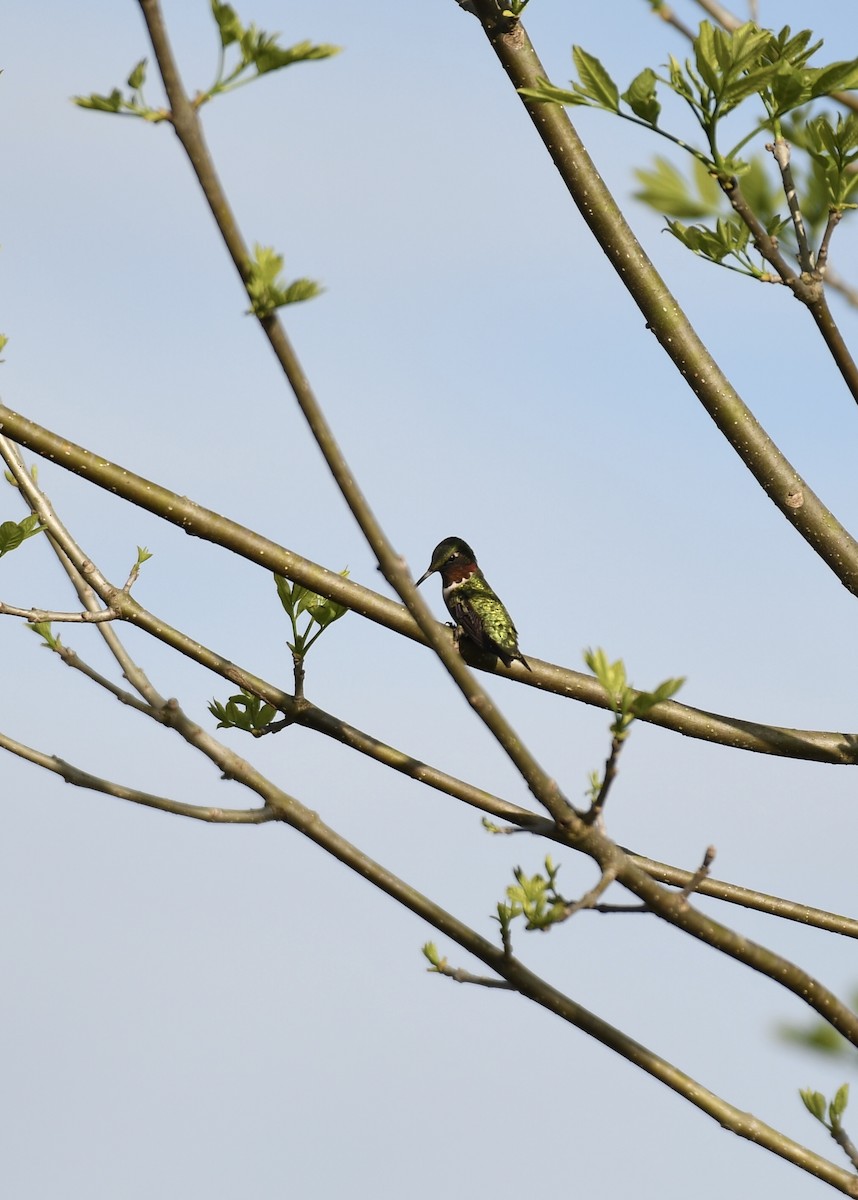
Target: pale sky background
{"type": "Point", "coordinates": [205, 1013]}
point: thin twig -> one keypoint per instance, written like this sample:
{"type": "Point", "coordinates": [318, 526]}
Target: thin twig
{"type": "Point", "coordinates": [462, 976]}
{"type": "Point", "coordinates": [780, 152]}
{"type": "Point", "coordinates": [666, 13]}
{"type": "Point", "coordinates": [834, 219]}
{"type": "Point", "coordinates": [38, 616]}
{"type": "Point", "coordinates": [597, 807]}
{"type": "Point", "coordinates": [590, 898]}
{"type": "Point", "coordinates": [94, 783]}
{"type": "Point", "coordinates": [700, 874]}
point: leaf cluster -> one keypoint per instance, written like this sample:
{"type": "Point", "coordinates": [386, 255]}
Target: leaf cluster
{"type": "Point", "coordinates": [534, 897]}
{"type": "Point", "coordinates": [320, 611]}
{"type": "Point", "coordinates": [253, 53]}
{"type": "Point", "coordinates": [243, 711]}
{"type": "Point", "coordinates": [816, 1105]}
{"type": "Point", "coordinates": [726, 69]}
{"type": "Point", "coordinates": [265, 287]}
{"type": "Point", "coordinates": [627, 703]}
{"type": "Point", "coordinates": [130, 104]}
{"type": "Point", "coordinates": [257, 52]}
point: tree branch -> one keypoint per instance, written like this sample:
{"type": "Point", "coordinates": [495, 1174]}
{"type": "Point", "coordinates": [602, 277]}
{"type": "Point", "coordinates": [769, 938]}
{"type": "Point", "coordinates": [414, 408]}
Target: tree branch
{"type": "Point", "coordinates": [733, 732]}
{"type": "Point", "coordinates": [94, 783]}
{"type": "Point", "coordinates": [38, 616]}
{"type": "Point", "coordinates": [772, 471]}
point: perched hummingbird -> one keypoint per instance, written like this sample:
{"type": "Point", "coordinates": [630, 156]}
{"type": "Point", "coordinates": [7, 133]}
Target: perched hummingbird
{"type": "Point", "coordinates": [471, 602]}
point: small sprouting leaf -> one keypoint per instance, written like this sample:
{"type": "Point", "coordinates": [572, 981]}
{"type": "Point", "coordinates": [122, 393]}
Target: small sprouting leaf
{"type": "Point", "coordinates": [679, 83]}
{"type": "Point", "coordinates": [594, 80]}
{"type": "Point", "coordinates": [143, 555]}
{"type": "Point", "coordinates": [284, 591]}
{"type": "Point", "coordinates": [837, 1107]}
{"type": "Point", "coordinates": [612, 676]}
{"type": "Point", "coordinates": [271, 57]}
{"type": "Point", "coordinates": [645, 701]}
{"type": "Point", "coordinates": [430, 952]}
{"type": "Point", "coordinates": [324, 611]}
{"type": "Point", "coordinates": [266, 290]}
{"type": "Point", "coordinates": [3, 343]}
{"type": "Point", "coordinates": [43, 629]}
{"type": "Point", "coordinates": [814, 1102]}
{"type": "Point", "coordinates": [230, 28]}
{"type": "Point", "coordinates": [138, 76]}
{"type": "Point", "coordinates": [299, 290]}
{"type": "Point", "coordinates": [547, 93]}
{"type": "Point", "coordinates": [111, 103]}
{"type": "Point", "coordinates": [243, 711]}
{"type": "Point", "coordinates": [641, 96]}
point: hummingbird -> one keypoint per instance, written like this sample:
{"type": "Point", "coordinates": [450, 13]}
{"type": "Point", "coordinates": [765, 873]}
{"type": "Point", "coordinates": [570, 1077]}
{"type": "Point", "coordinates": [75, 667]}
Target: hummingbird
{"type": "Point", "coordinates": [471, 602]}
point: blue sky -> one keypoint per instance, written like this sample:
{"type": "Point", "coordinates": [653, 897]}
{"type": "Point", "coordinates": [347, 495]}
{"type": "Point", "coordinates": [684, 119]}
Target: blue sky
{"type": "Point", "coordinates": [192, 1011]}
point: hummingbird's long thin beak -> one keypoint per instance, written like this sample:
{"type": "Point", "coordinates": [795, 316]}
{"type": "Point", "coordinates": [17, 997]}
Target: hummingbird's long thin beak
{"type": "Point", "coordinates": [424, 577]}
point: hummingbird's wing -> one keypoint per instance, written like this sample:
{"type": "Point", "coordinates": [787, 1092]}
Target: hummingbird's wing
{"type": "Point", "coordinates": [464, 614]}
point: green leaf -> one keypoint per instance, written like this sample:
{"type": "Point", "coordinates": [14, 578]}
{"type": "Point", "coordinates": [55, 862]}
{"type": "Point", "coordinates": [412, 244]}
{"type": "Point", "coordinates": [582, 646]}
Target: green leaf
{"type": "Point", "coordinates": [111, 103]}
{"type": "Point", "coordinates": [284, 591]}
{"type": "Point", "coordinates": [679, 83]}
{"type": "Point", "coordinates": [547, 93]}
{"type": "Point", "coordinates": [839, 77]}
{"type": "Point", "coordinates": [814, 1102]}
{"type": "Point", "coordinates": [271, 57]}
{"type": "Point", "coordinates": [324, 611]}
{"type": "Point", "coordinates": [138, 76]}
{"type": "Point", "coordinates": [706, 57]}
{"type": "Point", "coordinates": [243, 711]}
{"type": "Point", "coordinates": [641, 96]}
{"type": "Point", "coordinates": [230, 28]}
{"type": "Point", "coordinates": [594, 80]}
{"type": "Point", "coordinates": [644, 701]}
{"type": "Point", "coordinates": [668, 191]}
{"type": "Point", "coordinates": [43, 629]}
{"type": "Point", "coordinates": [430, 951]}
{"type": "Point", "coordinates": [13, 533]}
{"type": "Point", "coordinates": [819, 1037]}
{"type": "Point", "coordinates": [837, 1107]}
{"type": "Point", "coordinates": [612, 676]}
{"type": "Point", "coordinates": [298, 291]}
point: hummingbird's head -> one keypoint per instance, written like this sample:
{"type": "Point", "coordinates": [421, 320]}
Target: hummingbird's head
{"type": "Point", "coordinates": [452, 556]}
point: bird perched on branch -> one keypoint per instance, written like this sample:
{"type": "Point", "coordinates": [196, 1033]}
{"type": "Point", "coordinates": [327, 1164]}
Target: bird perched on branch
{"type": "Point", "coordinates": [471, 602]}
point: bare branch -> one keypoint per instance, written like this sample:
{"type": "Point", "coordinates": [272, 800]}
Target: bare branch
{"type": "Point", "coordinates": [37, 616]}
{"type": "Point", "coordinates": [780, 151]}
{"type": "Point", "coordinates": [611, 766]}
{"type": "Point", "coordinates": [460, 975]}
{"type": "Point", "coordinates": [94, 783]}
{"type": "Point", "coordinates": [700, 874]}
